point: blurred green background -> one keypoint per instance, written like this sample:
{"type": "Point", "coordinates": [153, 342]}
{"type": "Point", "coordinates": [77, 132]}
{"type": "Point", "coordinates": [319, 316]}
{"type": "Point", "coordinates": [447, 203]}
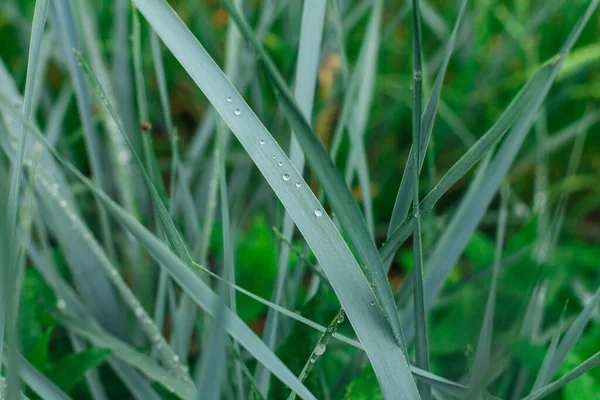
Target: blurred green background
{"type": "Point", "coordinates": [500, 44]}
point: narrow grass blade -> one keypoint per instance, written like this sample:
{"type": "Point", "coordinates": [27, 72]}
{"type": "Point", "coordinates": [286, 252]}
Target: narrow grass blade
{"type": "Point", "coordinates": [12, 261]}
{"type": "Point", "coordinates": [338, 194]}
{"type": "Point", "coordinates": [554, 359]}
{"type": "Point", "coordinates": [361, 103]}
{"type": "Point", "coordinates": [187, 279]}
{"type": "Point", "coordinates": [319, 349]}
{"type": "Point", "coordinates": [421, 342]}
{"type": "Point", "coordinates": [333, 254]}
{"type": "Point", "coordinates": [214, 358]}
{"type": "Point", "coordinates": [483, 353]}
{"type": "Point", "coordinates": [311, 32]}
{"type": "Point", "coordinates": [583, 368]}
{"type": "Point", "coordinates": [65, 26]}
{"type": "Point", "coordinates": [455, 238]}
{"type": "Point", "coordinates": [404, 198]}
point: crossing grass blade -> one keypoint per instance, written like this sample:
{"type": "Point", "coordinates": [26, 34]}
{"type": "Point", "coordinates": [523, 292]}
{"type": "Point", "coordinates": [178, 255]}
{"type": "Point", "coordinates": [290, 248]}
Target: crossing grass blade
{"type": "Point", "coordinates": [454, 239]}
{"type": "Point", "coordinates": [182, 388]}
{"type": "Point", "coordinates": [458, 170]}
{"type": "Point", "coordinates": [39, 383]}
{"type": "Point", "coordinates": [581, 369]}
{"type": "Point", "coordinates": [404, 196]}
{"type": "Point", "coordinates": [186, 278]}
{"type": "Point", "coordinates": [343, 204]}
{"type": "Point", "coordinates": [354, 293]}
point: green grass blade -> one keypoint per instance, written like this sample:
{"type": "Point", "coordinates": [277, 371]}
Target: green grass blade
{"type": "Point", "coordinates": [555, 359]}
{"type": "Point", "coordinates": [181, 387]}
{"type": "Point", "coordinates": [404, 198]}
{"type": "Point", "coordinates": [311, 32]}
{"type": "Point", "coordinates": [319, 349]}
{"type": "Point", "coordinates": [214, 358]}
{"type": "Point", "coordinates": [12, 261]}
{"type": "Point", "coordinates": [355, 294]}
{"type": "Point", "coordinates": [451, 244]}
{"type": "Point", "coordinates": [581, 369]}
{"type": "Point", "coordinates": [521, 101]}
{"type": "Point", "coordinates": [421, 342]}
{"type": "Point", "coordinates": [39, 383]}
{"type": "Point", "coordinates": [338, 194]}
{"type": "Point", "coordinates": [186, 278]}
{"type": "Point", "coordinates": [483, 353]}
{"type": "Point", "coordinates": [361, 104]}
{"type": "Point", "coordinates": [65, 26]}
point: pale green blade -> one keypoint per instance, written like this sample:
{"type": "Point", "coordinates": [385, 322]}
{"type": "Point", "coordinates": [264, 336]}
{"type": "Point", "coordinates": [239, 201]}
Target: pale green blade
{"type": "Point", "coordinates": [349, 283]}
{"type": "Point", "coordinates": [337, 192]}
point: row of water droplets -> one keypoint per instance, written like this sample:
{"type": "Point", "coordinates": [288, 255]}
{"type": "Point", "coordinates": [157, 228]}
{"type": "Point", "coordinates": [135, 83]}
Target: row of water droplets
{"type": "Point", "coordinates": [285, 176]}
{"type": "Point", "coordinates": [167, 354]}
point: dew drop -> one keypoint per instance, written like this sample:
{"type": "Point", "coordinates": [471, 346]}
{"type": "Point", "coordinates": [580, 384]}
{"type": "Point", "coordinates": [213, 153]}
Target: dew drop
{"type": "Point", "coordinates": [286, 177]}
{"type": "Point", "coordinates": [417, 215]}
{"type": "Point", "coordinates": [311, 360]}
{"type": "Point", "coordinates": [372, 304]}
{"type": "Point", "coordinates": [61, 304]}
{"type": "Point", "coordinates": [320, 349]}
{"type": "Point", "coordinates": [237, 111]}
{"type": "Point", "coordinates": [273, 156]}
{"type": "Point", "coordinates": [229, 99]}
{"type": "Point", "coordinates": [280, 163]}
{"type": "Point", "coordinates": [63, 203]}
{"type": "Point", "coordinates": [298, 184]}
{"type": "Point", "coordinates": [261, 142]}
{"type": "Point", "coordinates": [318, 212]}
{"type": "Point", "coordinates": [340, 319]}
{"type": "Point", "coordinates": [175, 358]}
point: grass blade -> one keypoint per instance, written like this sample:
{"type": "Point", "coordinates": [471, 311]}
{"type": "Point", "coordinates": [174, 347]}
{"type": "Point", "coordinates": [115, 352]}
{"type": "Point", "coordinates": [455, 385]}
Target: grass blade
{"type": "Point", "coordinates": [404, 198]}
{"type": "Point", "coordinates": [339, 196]}
{"type": "Point", "coordinates": [311, 32]}
{"type": "Point", "coordinates": [421, 342]}
{"type": "Point", "coordinates": [332, 252]}
{"type": "Point", "coordinates": [484, 344]}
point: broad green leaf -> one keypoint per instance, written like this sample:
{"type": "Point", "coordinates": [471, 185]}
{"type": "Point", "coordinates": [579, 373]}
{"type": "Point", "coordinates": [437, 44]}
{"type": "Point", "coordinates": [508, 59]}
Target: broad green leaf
{"type": "Point", "coordinates": [72, 368]}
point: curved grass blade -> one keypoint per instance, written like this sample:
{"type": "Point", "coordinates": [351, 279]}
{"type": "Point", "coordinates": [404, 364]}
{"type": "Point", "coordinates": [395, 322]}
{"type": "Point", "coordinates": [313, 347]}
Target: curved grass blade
{"type": "Point", "coordinates": [339, 196]}
{"type": "Point", "coordinates": [332, 252]}
{"type": "Point", "coordinates": [311, 32]}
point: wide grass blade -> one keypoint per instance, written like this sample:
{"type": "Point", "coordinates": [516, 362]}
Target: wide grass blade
{"type": "Point", "coordinates": [39, 383]}
{"type": "Point", "coordinates": [342, 270]}
{"type": "Point", "coordinates": [338, 195]}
